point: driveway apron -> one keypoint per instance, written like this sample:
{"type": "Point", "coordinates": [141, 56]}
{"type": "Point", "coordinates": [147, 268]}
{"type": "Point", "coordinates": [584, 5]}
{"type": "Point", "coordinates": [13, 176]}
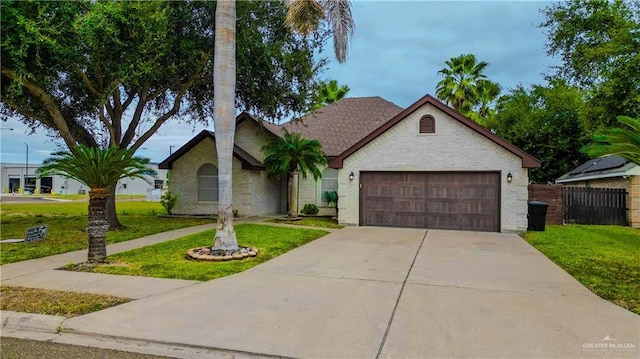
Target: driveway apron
{"type": "Point", "coordinates": [392, 293]}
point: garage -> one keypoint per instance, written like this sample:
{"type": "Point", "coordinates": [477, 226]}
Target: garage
{"type": "Point", "coordinates": [436, 200]}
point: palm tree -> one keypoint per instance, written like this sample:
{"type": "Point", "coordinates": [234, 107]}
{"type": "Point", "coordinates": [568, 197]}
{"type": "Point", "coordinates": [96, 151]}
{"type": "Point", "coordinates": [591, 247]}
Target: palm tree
{"type": "Point", "coordinates": [98, 169]}
{"type": "Point", "coordinates": [292, 155]}
{"type": "Point", "coordinates": [339, 16]}
{"type": "Point", "coordinates": [459, 87]}
{"type": "Point", "coordinates": [488, 92]}
{"type": "Point", "coordinates": [328, 93]}
{"type": "Point", "coordinates": [624, 142]}
{"type": "Point", "coordinates": [224, 91]}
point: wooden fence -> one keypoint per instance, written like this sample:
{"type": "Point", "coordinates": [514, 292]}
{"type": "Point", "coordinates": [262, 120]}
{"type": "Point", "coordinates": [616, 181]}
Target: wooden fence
{"type": "Point", "coordinates": [595, 205]}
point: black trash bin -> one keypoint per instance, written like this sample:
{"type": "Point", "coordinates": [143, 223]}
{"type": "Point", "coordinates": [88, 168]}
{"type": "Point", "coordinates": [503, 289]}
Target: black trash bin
{"type": "Point", "coordinates": [537, 215]}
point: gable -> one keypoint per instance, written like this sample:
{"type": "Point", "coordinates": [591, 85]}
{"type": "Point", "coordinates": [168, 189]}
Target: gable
{"type": "Point", "coordinates": [452, 147]}
{"type": "Point", "coordinates": [248, 162]}
{"type": "Point", "coordinates": [527, 161]}
{"type": "Point", "coordinates": [251, 135]}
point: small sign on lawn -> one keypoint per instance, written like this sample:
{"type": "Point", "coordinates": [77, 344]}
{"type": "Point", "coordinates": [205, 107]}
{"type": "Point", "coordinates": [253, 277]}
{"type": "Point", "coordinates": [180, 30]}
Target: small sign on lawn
{"type": "Point", "coordinates": [33, 234]}
{"type": "Point", "coordinates": [36, 233]}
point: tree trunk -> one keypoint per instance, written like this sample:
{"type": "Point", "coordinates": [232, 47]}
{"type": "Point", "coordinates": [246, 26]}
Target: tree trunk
{"type": "Point", "coordinates": [97, 226]}
{"type": "Point", "coordinates": [112, 215]}
{"type": "Point", "coordinates": [224, 88]}
{"type": "Point", "coordinates": [293, 200]}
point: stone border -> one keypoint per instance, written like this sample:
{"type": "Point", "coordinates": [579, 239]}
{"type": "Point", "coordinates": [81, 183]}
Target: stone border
{"type": "Point", "coordinates": [193, 253]}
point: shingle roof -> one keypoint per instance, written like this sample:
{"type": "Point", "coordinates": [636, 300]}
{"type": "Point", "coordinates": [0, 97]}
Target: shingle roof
{"type": "Point", "coordinates": [339, 125]}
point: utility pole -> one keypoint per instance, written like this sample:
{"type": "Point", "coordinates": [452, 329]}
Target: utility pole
{"type": "Point", "coordinates": [171, 149]}
{"type": "Point", "coordinates": [26, 175]}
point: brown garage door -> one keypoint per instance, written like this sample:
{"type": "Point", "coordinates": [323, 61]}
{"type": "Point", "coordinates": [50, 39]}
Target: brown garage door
{"type": "Point", "coordinates": [439, 200]}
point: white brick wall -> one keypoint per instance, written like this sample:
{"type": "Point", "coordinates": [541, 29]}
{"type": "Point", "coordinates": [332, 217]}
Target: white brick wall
{"type": "Point", "coordinates": [453, 147]}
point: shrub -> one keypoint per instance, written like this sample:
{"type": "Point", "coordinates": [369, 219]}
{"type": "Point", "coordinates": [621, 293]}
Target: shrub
{"type": "Point", "coordinates": [310, 208]}
{"type": "Point", "coordinates": [168, 201]}
{"type": "Point", "coordinates": [332, 198]}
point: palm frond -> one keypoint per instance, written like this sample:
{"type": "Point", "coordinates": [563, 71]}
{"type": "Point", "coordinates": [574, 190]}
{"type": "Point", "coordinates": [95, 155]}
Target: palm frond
{"type": "Point", "coordinates": [96, 167]}
{"type": "Point", "coordinates": [291, 153]}
{"type": "Point", "coordinates": [624, 142]}
{"type": "Point", "coordinates": [304, 16]}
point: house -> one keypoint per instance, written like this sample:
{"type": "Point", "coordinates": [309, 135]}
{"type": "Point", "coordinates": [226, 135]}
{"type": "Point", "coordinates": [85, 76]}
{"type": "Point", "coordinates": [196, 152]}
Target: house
{"type": "Point", "coordinates": [425, 166]}
{"type": "Point", "coordinates": [609, 172]}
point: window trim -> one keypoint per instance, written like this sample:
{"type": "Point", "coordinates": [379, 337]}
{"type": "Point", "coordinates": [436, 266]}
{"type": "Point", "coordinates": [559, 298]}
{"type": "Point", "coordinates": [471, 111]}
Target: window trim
{"type": "Point", "coordinates": [427, 125]}
{"type": "Point", "coordinates": [321, 200]}
{"type": "Point", "coordinates": [199, 175]}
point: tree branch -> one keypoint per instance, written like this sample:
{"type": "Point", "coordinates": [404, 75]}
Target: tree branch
{"type": "Point", "coordinates": [174, 109]}
{"type": "Point", "coordinates": [48, 103]}
{"type": "Point", "coordinates": [135, 120]}
{"type": "Point", "coordinates": [24, 112]}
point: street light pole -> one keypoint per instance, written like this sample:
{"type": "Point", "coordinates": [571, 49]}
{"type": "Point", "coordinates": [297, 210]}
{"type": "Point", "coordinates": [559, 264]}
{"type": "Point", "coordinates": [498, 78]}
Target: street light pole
{"type": "Point", "coordinates": [26, 175]}
{"type": "Point", "coordinates": [171, 149]}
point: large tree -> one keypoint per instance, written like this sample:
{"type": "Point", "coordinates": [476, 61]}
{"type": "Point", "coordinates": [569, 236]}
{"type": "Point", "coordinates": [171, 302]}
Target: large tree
{"type": "Point", "coordinates": [112, 73]}
{"type": "Point", "coordinates": [466, 88]}
{"type": "Point", "coordinates": [98, 169]}
{"type": "Point", "coordinates": [547, 122]}
{"type": "Point", "coordinates": [598, 43]}
{"type": "Point", "coordinates": [291, 156]}
{"type": "Point", "coordinates": [304, 16]}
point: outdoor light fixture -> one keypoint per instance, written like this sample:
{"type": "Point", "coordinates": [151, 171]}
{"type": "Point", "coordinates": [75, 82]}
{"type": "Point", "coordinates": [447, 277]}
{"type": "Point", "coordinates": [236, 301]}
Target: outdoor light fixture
{"type": "Point", "coordinates": [509, 177]}
{"type": "Point", "coordinates": [351, 176]}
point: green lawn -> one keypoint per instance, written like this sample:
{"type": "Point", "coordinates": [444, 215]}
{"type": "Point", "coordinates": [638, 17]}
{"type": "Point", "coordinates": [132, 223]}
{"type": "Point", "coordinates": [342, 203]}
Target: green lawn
{"type": "Point", "coordinates": [605, 259]}
{"type": "Point", "coordinates": [55, 302]}
{"type": "Point", "coordinates": [324, 222]}
{"type": "Point", "coordinates": [167, 260]}
{"type": "Point", "coordinates": [67, 224]}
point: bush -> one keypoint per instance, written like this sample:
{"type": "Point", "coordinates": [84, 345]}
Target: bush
{"type": "Point", "coordinates": [168, 201]}
{"type": "Point", "coordinates": [310, 208]}
{"type": "Point", "coordinates": [332, 198]}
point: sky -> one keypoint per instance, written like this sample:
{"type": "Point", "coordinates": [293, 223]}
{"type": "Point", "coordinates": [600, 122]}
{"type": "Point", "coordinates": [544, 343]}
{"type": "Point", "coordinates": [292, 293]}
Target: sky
{"type": "Point", "coordinates": [396, 53]}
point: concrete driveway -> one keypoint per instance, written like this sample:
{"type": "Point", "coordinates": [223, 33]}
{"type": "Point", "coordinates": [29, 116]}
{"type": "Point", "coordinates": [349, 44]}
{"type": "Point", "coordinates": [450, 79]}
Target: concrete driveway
{"type": "Point", "coordinates": [387, 293]}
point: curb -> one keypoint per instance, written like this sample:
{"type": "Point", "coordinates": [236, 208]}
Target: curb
{"type": "Point", "coordinates": [17, 321]}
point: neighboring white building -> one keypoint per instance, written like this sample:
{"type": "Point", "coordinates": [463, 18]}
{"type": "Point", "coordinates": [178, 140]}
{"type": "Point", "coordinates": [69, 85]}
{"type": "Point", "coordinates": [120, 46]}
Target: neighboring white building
{"type": "Point", "coordinates": [12, 180]}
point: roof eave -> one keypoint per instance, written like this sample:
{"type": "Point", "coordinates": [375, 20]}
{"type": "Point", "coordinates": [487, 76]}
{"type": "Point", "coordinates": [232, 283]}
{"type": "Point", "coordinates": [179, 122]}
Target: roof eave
{"type": "Point", "coordinates": [248, 162]}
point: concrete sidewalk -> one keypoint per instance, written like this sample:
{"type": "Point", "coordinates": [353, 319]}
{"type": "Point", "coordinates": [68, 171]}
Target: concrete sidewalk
{"type": "Point", "coordinates": [375, 293]}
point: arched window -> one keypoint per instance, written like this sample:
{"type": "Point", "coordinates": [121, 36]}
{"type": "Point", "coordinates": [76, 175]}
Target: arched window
{"type": "Point", "coordinates": [427, 124]}
{"type": "Point", "coordinates": [208, 183]}
{"type": "Point", "coordinates": [329, 184]}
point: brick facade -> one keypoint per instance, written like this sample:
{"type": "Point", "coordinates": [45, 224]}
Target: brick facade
{"type": "Point", "coordinates": [453, 147]}
{"type": "Point", "coordinates": [253, 193]}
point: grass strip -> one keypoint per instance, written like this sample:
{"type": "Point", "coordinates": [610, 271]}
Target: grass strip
{"type": "Point", "coordinates": [55, 302]}
{"type": "Point", "coordinates": [605, 259]}
{"type": "Point", "coordinates": [323, 222]}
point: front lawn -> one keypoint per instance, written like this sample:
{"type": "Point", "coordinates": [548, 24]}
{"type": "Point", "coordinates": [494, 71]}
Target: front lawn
{"type": "Point", "coordinates": [167, 259]}
{"type": "Point", "coordinates": [605, 259]}
{"type": "Point", "coordinates": [67, 223]}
